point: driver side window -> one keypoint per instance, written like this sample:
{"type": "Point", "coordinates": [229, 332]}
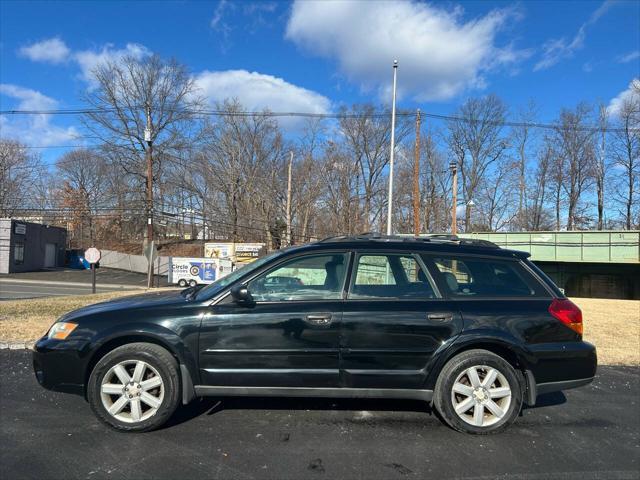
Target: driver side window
{"type": "Point", "coordinates": [311, 277]}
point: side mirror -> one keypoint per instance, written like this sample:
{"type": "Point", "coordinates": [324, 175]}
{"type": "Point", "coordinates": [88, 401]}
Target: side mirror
{"type": "Point", "coordinates": [241, 294]}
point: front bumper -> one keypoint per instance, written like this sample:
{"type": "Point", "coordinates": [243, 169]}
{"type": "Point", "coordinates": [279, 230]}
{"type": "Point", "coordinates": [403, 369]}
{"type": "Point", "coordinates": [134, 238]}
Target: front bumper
{"type": "Point", "coordinates": [59, 365]}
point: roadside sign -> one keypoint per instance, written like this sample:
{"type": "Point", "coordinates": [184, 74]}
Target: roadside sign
{"type": "Point", "coordinates": [92, 255]}
{"type": "Point", "coordinates": [150, 251]}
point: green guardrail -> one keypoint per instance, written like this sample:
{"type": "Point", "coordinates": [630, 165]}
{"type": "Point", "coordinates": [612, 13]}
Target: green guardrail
{"type": "Point", "coordinates": [592, 247]}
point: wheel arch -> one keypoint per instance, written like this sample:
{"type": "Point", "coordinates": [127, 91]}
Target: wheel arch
{"type": "Point", "coordinates": [517, 356]}
{"type": "Point", "coordinates": [186, 368]}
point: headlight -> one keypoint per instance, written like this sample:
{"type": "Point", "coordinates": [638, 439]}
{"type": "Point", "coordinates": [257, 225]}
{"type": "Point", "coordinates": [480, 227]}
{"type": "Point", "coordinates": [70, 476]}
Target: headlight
{"type": "Point", "coordinates": [61, 330]}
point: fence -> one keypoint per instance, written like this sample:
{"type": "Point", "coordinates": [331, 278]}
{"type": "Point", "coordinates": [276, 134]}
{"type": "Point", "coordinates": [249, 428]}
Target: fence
{"type": "Point", "coordinates": [133, 263]}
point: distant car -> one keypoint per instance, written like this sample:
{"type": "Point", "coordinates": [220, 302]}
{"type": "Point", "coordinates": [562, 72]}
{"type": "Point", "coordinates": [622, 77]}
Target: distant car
{"type": "Point", "coordinates": [475, 330]}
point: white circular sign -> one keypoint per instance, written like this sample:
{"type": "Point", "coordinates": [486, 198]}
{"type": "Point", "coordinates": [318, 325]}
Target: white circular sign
{"type": "Point", "coordinates": [92, 255]}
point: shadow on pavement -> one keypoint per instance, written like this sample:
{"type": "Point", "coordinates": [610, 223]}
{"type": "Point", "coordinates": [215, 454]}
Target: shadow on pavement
{"type": "Point", "coordinates": [212, 405]}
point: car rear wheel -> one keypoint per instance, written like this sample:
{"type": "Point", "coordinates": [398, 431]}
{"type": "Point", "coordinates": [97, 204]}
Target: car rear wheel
{"type": "Point", "coordinates": [192, 283]}
{"type": "Point", "coordinates": [478, 392]}
{"type": "Point", "coordinates": [134, 387]}
{"type": "Point", "coordinates": [182, 283]}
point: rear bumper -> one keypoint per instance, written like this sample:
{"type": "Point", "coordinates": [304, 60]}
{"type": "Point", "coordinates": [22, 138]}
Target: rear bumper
{"type": "Point", "coordinates": [564, 385]}
{"type": "Point", "coordinates": [561, 362]}
{"type": "Point", "coordinates": [555, 367]}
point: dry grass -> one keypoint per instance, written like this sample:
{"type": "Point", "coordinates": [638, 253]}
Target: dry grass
{"type": "Point", "coordinates": [612, 325]}
{"type": "Point", "coordinates": [28, 320]}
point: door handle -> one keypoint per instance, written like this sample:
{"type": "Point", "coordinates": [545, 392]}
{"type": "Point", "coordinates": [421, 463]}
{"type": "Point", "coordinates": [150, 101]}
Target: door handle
{"type": "Point", "coordinates": [440, 317]}
{"type": "Point", "coordinates": [323, 319]}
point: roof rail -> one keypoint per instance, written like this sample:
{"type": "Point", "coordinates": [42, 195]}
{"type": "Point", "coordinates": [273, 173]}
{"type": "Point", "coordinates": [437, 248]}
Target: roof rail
{"type": "Point", "coordinates": [435, 238]}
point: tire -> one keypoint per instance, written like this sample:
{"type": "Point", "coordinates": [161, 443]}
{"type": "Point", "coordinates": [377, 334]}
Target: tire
{"type": "Point", "coordinates": [192, 283]}
{"type": "Point", "coordinates": [182, 283]}
{"type": "Point", "coordinates": [484, 408]}
{"type": "Point", "coordinates": [147, 403]}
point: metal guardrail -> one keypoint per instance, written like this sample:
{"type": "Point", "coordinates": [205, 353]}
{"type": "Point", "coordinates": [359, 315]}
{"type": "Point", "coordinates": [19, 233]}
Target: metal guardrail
{"type": "Point", "coordinates": [588, 247]}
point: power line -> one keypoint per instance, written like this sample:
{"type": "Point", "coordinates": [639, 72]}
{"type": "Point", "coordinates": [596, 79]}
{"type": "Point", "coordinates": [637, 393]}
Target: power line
{"type": "Point", "coordinates": [336, 116]}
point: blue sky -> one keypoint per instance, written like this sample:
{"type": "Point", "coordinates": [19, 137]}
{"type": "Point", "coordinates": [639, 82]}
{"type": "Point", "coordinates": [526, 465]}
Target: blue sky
{"type": "Point", "coordinates": [316, 56]}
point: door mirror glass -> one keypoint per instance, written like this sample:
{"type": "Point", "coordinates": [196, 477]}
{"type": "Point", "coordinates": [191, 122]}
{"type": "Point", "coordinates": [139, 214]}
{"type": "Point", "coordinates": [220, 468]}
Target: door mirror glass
{"type": "Point", "coordinates": [241, 294]}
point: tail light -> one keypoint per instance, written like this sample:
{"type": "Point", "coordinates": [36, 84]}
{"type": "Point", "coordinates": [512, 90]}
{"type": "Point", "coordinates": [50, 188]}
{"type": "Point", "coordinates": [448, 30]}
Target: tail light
{"type": "Point", "coordinates": [568, 313]}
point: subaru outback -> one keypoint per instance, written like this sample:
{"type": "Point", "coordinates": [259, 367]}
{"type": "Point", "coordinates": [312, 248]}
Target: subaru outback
{"type": "Point", "coordinates": [473, 329]}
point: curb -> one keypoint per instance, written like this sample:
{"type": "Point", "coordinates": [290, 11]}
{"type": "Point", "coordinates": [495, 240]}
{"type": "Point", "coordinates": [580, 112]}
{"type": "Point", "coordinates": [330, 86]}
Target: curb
{"type": "Point", "coordinates": [16, 345]}
{"type": "Point", "coordinates": [117, 286]}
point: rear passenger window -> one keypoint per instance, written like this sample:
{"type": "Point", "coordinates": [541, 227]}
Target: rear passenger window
{"type": "Point", "coordinates": [390, 276]}
{"type": "Point", "coordinates": [486, 278]}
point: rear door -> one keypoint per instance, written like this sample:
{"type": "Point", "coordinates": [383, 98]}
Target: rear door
{"type": "Point", "coordinates": [394, 319]}
{"type": "Point", "coordinates": [497, 297]}
{"type": "Point", "coordinates": [289, 337]}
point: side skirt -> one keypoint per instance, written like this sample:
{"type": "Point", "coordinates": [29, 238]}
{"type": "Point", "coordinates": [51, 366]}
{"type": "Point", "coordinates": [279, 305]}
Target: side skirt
{"type": "Point", "coordinates": [410, 394]}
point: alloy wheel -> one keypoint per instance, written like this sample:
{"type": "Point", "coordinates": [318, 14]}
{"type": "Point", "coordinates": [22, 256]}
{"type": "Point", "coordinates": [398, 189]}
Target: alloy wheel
{"type": "Point", "coordinates": [481, 396]}
{"type": "Point", "coordinates": [132, 391]}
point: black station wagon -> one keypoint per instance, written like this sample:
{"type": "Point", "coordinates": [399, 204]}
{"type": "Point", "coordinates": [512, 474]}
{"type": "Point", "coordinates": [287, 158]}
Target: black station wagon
{"type": "Point", "coordinates": [473, 329]}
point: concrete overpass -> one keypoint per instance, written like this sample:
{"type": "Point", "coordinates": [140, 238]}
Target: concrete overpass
{"type": "Point", "coordinates": [604, 264]}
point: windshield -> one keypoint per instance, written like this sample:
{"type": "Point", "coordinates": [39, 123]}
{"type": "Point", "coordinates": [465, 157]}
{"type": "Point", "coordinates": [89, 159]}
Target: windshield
{"type": "Point", "coordinates": [216, 287]}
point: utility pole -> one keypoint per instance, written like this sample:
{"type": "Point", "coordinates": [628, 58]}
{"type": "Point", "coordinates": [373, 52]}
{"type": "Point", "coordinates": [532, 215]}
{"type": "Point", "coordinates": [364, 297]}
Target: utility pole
{"type": "Point", "coordinates": [149, 152]}
{"type": "Point", "coordinates": [416, 179]}
{"type": "Point", "coordinates": [289, 198]}
{"type": "Point", "coordinates": [393, 145]}
{"type": "Point", "coordinates": [453, 166]}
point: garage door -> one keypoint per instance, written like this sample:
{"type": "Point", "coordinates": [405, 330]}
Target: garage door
{"type": "Point", "coordinates": [50, 255]}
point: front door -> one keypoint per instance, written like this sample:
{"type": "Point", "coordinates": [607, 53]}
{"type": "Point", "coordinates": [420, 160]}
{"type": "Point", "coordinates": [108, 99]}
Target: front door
{"type": "Point", "coordinates": [394, 319]}
{"type": "Point", "coordinates": [288, 336]}
{"type": "Point", "coordinates": [50, 252]}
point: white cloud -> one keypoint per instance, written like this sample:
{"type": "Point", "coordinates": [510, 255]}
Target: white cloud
{"type": "Point", "coordinates": [52, 50]}
{"type": "Point", "coordinates": [439, 53]}
{"type": "Point", "coordinates": [32, 129]}
{"type": "Point", "coordinates": [56, 51]}
{"type": "Point", "coordinates": [257, 91]}
{"type": "Point", "coordinates": [628, 57]}
{"type": "Point", "coordinates": [616, 103]}
{"type": "Point", "coordinates": [88, 60]}
{"type": "Point", "coordinates": [555, 50]}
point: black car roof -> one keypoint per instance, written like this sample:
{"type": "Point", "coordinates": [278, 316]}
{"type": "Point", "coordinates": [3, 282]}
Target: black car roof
{"type": "Point", "coordinates": [449, 244]}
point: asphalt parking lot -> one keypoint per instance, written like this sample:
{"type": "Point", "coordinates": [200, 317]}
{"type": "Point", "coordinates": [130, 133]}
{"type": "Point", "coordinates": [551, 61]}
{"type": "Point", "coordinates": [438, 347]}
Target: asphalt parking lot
{"type": "Point", "coordinates": [48, 283]}
{"type": "Point", "coordinates": [588, 433]}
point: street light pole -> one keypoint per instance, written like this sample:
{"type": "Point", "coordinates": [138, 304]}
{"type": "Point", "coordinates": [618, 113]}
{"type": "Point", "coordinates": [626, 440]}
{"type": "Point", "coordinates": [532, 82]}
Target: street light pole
{"type": "Point", "coordinates": [416, 179]}
{"type": "Point", "coordinates": [453, 166]}
{"type": "Point", "coordinates": [289, 199]}
{"type": "Point", "coordinates": [149, 139]}
{"type": "Point", "coordinates": [393, 144]}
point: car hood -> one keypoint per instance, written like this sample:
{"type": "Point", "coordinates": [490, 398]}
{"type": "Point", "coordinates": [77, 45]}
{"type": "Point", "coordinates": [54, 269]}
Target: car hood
{"type": "Point", "coordinates": [153, 299]}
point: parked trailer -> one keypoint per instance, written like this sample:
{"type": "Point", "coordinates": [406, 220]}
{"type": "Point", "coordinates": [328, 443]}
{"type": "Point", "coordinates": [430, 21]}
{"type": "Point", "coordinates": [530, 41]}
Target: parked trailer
{"type": "Point", "coordinates": [197, 271]}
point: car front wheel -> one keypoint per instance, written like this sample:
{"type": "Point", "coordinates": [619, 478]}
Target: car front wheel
{"type": "Point", "coordinates": [478, 392]}
{"type": "Point", "coordinates": [134, 387]}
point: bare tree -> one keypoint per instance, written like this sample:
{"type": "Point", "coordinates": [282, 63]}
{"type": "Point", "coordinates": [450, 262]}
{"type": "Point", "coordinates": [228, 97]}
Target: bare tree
{"type": "Point", "coordinates": [133, 95]}
{"type": "Point", "coordinates": [497, 194]}
{"type": "Point", "coordinates": [626, 155]}
{"type": "Point", "coordinates": [538, 218]}
{"type": "Point", "coordinates": [20, 169]}
{"type": "Point", "coordinates": [522, 138]}
{"type": "Point", "coordinates": [367, 138]}
{"type": "Point", "coordinates": [242, 159]}
{"type": "Point", "coordinates": [476, 141]}
{"type": "Point", "coordinates": [575, 146]}
{"type": "Point", "coordinates": [601, 163]}
{"type": "Point", "coordinates": [82, 173]}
